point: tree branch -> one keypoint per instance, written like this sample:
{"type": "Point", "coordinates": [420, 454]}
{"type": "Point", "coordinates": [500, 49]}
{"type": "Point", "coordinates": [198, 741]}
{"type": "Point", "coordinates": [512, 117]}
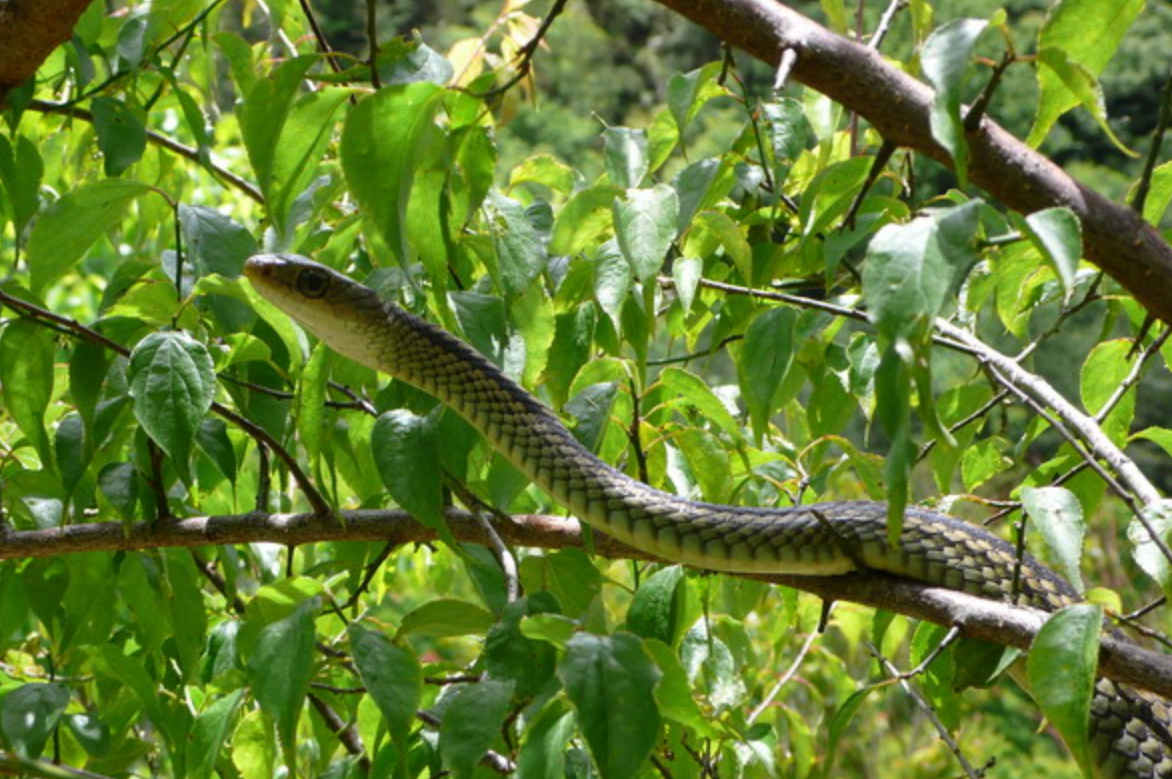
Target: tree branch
{"type": "Point", "coordinates": [1116, 238]}
{"type": "Point", "coordinates": [977, 618]}
{"type": "Point", "coordinates": [29, 31]}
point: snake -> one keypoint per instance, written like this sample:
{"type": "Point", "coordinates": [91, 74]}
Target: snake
{"type": "Point", "coordinates": [1130, 731]}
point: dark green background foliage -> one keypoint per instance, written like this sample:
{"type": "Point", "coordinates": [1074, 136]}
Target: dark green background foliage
{"type": "Point", "coordinates": [600, 231]}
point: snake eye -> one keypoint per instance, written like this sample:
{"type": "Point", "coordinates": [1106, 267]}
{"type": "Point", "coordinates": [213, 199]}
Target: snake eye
{"type": "Point", "coordinates": [313, 282]}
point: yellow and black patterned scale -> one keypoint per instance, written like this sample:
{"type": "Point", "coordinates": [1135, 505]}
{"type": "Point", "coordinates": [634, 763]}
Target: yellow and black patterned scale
{"type": "Point", "coordinates": [1130, 729]}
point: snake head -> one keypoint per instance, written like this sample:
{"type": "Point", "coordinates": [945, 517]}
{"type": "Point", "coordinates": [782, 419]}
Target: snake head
{"type": "Point", "coordinates": [341, 312]}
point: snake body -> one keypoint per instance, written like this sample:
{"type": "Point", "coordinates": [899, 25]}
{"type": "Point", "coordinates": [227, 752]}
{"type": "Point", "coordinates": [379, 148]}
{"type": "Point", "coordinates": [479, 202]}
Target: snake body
{"type": "Point", "coordinates": [1131, 731]}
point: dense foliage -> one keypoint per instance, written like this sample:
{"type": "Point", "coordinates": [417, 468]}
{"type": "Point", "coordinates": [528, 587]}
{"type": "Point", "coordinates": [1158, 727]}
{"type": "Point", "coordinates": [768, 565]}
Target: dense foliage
{"type": "Point", "coordinates": [717, 287]}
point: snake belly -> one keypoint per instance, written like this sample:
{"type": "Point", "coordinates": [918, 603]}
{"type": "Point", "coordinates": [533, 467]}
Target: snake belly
{"type": "Point", "coordinates": [1131, 730]}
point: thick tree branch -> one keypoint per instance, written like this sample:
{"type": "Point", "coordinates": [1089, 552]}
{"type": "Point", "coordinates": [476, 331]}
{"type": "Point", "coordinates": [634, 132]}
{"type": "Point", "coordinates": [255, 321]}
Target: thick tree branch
{"type": "Point", "coordinates": [977, 618]}
{"type": "Point", "coordinates": [1116, 238]}
{"type": "Point", "coordinates": [29, 31]}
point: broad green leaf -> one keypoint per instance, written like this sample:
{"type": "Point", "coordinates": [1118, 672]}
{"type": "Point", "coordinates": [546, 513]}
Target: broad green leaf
{"type": "Point", "coordinates": [938, 682]}
{"type": "Point", "coordinates": [591, 409]}
{"type": "Point", "coordinates": [624, 152]}
{"type": "Point", "coordinates": [839, 722]}
{"type": "Point", "coordinates": [584, 216]}
{"type": "Point", "coordinates": [392, 677]}
{"type": "Point", "coordinates": [90, 732]}
{"type": "Point", "coordinates": [1102, 374]}
{"type": "Point", "coordinates": [658, 608]}
{"type": "Point", "coordinates": [520, 248]}
{"type": "Point", "coordinates": [788, 133]}
{"type": "Point", "coordinates": [1057, 235]}
{"type": "Point", "coordinates": [253, 747]}
{"type": "Point", "coordinates": [310, 403]}
{"type": "Point", "coordinates": [21, 171]}
{"type": "Point", "coordinates": [573, 337]}
{"type": "Point", "coordinates": [912, 269]}
{"type": "Point", "coordinates": [699, 186]}
{"type": "Point", "coordinates": [568, 574]}
{"type": "Point", "coordinates": [612, 281]}
{"type": "Point", "coordinates": [611, 682]}
{"type": "Point", "coordinates": [946, 57]}
{"type": "Point", "coordinates": [688, 92]}
{"type": "Point", "coordinates": [211, 730]}
{"type": "Point", "coordinates": [727, 233]}
{"type": "Point", "coordinates": [29, 715]}
{"type": "Point", "coordinates": [645, 225]}
{"type": "Point", "coordinates": [893, 392]}
{"type": "Point", "coordinates": [510, 655]}
{"type": "Point", "coordinates": [73, 454]}
{"type": "Point", "coordinates": [215, 242]}
{"type": "Point", "coordinates": [829, 196]}
{"type": "Point", "coordinates": [172, 384]}
{"type": "Point", "coordinates": [212, 437]}
{"type": "Point", "coordinates": [690, 390]}
{"type": "Point", "coordinates": [765, 359]}
{"type": "Point", "coordinates": [1079, 81]}
{"type": "Point", "coordinates": [545, 741]}
{"type": "Point", "coordinates": [1057, 513]}
{"type": "Point", "coordinates": [1061, 667]}
{"type": "Point", "coordinates": [67, 229]}
{"type": "Point", "coordinates": [1089, 33]}
{"type": "Point", "coordinates": [446, 617]}
{"type": "Point", "coordinates": [673, 693]}
{"type": "Point", "coordinates": [544, 169]}
{"type": "Point", "coordinates": [281, 666]}
{"type": "Point", "coordinates": [386, 137]}
{"type": "Point", "coordinates": [406, 450]}
{"type": "Point", "coordinates": [118, 483]}
{"type": "Point", "coordinates": [709, 463]}
{"type": "Point", "coordinates": [552, 628]}
{"type": "Point", "coordinates": [686, 273]}
{"type": "Point", "coordinates": [26, 380]}
{"type": "Point", "coordinates": [1145, 550]}
{"type": "Point", "coordinates": [471, 722]}
{"type": "Point", "coordinates": [121, 134]}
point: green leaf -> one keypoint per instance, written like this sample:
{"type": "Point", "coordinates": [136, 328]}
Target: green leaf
{"type": "Point", "coordinates": [645, 225]}
{"type": "Point", "coordinates": [1146, 552]}
{"type": "Point", "coordinates": [765, 359]}
{"type": "Point", "coordinates": [611, 682]}
{"type": "Point", "coordinates": [281, 666]}
{"type": "Point", "coordinates": [1102, 374]}
{"type": "Point", "coordinates": [392, 677]}
{"type": "Point", "coordinates": [1089, 33]}
{"type": "Point", "coordinates": [938, 682]}
{"type": "Point", "coordinates": [29, 714]}
{"type": "Point", "coordinates": [406, 451]}
{"type": "Point", "coordinates": [912, 269]}
{"type": "Point", "coordinates": [830, 195]}
{"type": "Point", "coordinates": [212, 437]}
{"type": "Point", "coordinates": [544, 169]}
{"type": "Point", "coordinates": [73, 454]}
{"type": "Point", "coordinates": [310, 403]}
{"type": "Point", "coordinates": [1057, 513]}
{"type": "Point", "coordinates": [215, 242]}
{"type": "Point", "coordinates": [26, 380]}
{"type": "Point", "coordinates": [568, 574]}
{"type": "Point", "coordinates": [612, 281]}
{"type": "Point", "coordinates": [573, 337]}
{"type": "Point", "coordinates": [688, 92]}
{"type": "Point", "coordinates": [121, 134]}
{"type": "Point", "coordinates": [658, 608]}
{"type": "Point", "coordinates": [687, 389]}
{"type": "Point", "coordinates": [172, 384]}
{"type": "Point", "coordinates": [674, 694]}
{"type": "Point", "coordinates": [788, 134]}
{"type": "Point", "coordinates": [1079, 81]}
{"type": "Point", "coordinates": [66, 229]}
{"type": "Point", "coordinates": [385, 139]}
{"type": "Point", "coordinates": [446, 617]}
{"type": "Point", "coordinates": [118, 482]}
{"type": "Point", "coordinates": [727, 234]}
{"type": "Point", "coordinates": [21, 171]}
{"type": "Point", "coordinates": [624, 152]}
{"type": "Point", "coordinates": [1061, 669]}
{"type": "Point", "coordinates": [520, 248]}
{"type": "Point", "coordinates": [946, 57]}
{"type": "Point", "coordinates": [839, 722]}
{"type": "Point", "coordinates": [471, 723]}
{"type": "Point", "coordinates": [209, 733]}
{"type": "Point", "coordinates": [584, 216]}
{"type": "Point", "coordinates": [253, 747]}
{"type": "Point", "coordinates": [708, 461]}
{"type": "Point", "coordinates": [510, 655]}
{"type": "Point", "coordinates": [1057, 235]}
{"type": "Point", "coordinates": [686, 273]}
{"type": "Point", "coordinates": [545, 742]}
{"type": "Point", "coordinates": [90, 732]}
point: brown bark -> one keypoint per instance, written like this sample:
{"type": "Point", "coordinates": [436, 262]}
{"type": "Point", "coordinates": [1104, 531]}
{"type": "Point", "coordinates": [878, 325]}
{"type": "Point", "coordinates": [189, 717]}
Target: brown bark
{"type": "Point", "coordinates": [996, 622]}
{"type": "Point", "coordinates": [1115, 237]}
{"type": "Point", "coordinates": [29, 31]}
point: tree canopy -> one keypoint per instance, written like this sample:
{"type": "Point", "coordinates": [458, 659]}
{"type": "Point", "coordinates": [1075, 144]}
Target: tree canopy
{"type": "Point", "coordinates": [773, 255]}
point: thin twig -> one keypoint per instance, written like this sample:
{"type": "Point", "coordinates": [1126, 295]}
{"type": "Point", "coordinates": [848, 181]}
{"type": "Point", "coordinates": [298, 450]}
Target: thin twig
{"type": "Point", "coordinates": [929, 712]}
{"type": "Point", "coordinates": [1145, 182]}
{"type": "Point", "coordinates": [347, 733]}
{"type": "Point", "coordinates": [527, 52]}
{"type": "Point", "coordinates": [789, 674]}
{"type": "Point", "coordinates": [885, 23]}
{"type": "Point", "coordinates": [1133, 376]}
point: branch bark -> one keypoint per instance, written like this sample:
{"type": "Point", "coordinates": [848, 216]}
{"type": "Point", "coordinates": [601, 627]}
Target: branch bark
{"type": "Point", "coordinates": [997, 622]}
{"type": "Point", "coordinates": [29, 31]}
{"type": "Point", "coordinates": [1116, 238]}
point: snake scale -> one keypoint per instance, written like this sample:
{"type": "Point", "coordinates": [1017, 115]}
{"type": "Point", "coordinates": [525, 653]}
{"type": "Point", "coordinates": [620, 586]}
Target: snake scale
{"type": "Point", "coordinates": [1131, 731]}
